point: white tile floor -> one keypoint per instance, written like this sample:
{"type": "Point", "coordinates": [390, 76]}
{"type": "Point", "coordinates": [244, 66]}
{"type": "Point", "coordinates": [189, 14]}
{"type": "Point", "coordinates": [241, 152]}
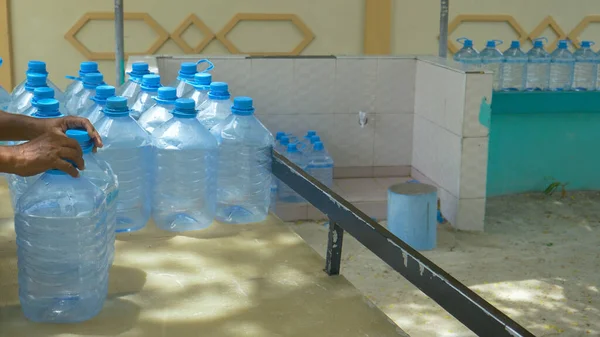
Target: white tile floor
{"type": "Point", "coordinates": [368, 194]}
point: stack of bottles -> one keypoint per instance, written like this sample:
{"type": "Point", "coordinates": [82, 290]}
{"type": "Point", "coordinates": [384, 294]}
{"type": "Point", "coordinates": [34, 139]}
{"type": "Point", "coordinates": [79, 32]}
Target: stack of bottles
{"type": "Point", "coordinates": [184, 162]}
{"type": "Point", "coordinates": [536, 70]}
{"type": "Point", "coordinates": [310, 155]}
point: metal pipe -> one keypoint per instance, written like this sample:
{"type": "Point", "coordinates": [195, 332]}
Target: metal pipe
{"type": "Point", "coordinates": [444, 8]}
{"type": "Point", "coordinates": [120, 43]}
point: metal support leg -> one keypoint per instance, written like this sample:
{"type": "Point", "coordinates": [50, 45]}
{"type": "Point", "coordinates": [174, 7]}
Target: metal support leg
{"type": "Point", "coordinates": [334, 248]}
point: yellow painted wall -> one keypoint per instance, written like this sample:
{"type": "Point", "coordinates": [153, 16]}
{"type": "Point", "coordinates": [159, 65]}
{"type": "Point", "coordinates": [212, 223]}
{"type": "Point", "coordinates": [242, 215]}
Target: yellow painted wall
{"type": "Point", "coordinates": [38, 26]}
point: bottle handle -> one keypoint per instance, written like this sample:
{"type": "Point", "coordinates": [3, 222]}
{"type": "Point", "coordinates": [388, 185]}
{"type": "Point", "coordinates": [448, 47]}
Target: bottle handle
{"type": "Point", "coordinates": [210, 67]}
{"type": "Point", "coordinates": [498, 42]}
{"type": "Point", "coordinates": [543, 38]}
{"type": "Point", "coordinates": [461, 40]}
{"type": "Point", "coordinates": [72, 78]}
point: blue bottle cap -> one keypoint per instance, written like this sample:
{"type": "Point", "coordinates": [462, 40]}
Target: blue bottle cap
{"type": "Point", "coordinates": [318, 146]}
{"type": "Point", "coordinates": [105, 91]}
{"type": "Point", "coordinates": [150, 82]}
{"type": "Point", "coordinates": [586, 44]}
{"type": "Point", "coordinates": [140, 68]}
{"type": "Point", "coordinates": [187, 68]}
{"type": "Point", "coordinates": [515, 44]}
{"type": "Point", "coordinates": [88, 67]}
{"type": "Point", "coordinates": [538, 44]}
{"type": "Point", "coordinates": [468, 43]}
{"type": "Point", "coordinates": [279, 134]}
{"type": "Point", "coordinates": [1, 61]}
{"type": "Point", "coordinates": [310, 133]}
{"type": "Point", "coordinates": [43, 92]}
{"type": "Point", "coordinates": [47, 107]}
{"type": "Point", "coordinates": [219, 91]}
{"type": "Point", "coordinates": [94, 79]}
{"type": "Point", "coordinates": [185, 108]}
{"type": "Point", "coordinates": [202, 78]}
{"type": "Point", "coordinates": [315, 139]}
{"type": "Point", "coordinates": [166, 95]}
{"type": "Point", "coordinates": [491, 44]}
{"type": "Point", "coordinates": [292, 147]}
{"type": "Point", "coordinates": [563, 44]}
{"type": "Point", "coordinates": [82, 137]}
{"type": "Point", "coordinates": [116, 106]}
{"type": "Point", "coordinates": [242, 106]}
{"type": "Point", "coordinates": [285, 140]}
{"type": "Point", "coordinates": [38, 67]}
{"type": "Point", "coordinates": [35, 80]}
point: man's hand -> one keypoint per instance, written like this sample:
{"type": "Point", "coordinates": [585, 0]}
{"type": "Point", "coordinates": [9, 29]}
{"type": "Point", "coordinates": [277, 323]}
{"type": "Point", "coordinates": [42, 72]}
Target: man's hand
{"type": "Point", "coordinates": [49, 151]}
{"type": "Point", "coordinates": [61, 125]}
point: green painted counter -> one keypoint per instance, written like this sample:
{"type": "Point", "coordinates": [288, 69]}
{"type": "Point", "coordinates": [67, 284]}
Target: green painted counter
{"type": "Point", "coordinates": [536, 137]}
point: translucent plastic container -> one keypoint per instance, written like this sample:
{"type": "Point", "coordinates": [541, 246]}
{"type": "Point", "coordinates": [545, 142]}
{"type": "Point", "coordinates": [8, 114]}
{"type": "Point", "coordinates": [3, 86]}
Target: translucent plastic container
{"type": "Point", "coordinates": [185, 181]}
{"type": "Point", "coordinates": [101, 175]}
{"type": "Point", "coordinates": [132, 87]}
{"type": "Point", "coordinates": [4, 96]}
{"type": "Point", "coordinates": [94, 112]}
{"type": "Point", "coordinates": [586, 67]}
{"type": "Point", "coordinates": [39, 94]}
{"type": "Point", "coordinates": [127, 148]}
{"type": "Point", "coordinates": [82, 101]}
{"type": "Point", "coordinates": [145, 99]}
{"type": "Point", "coordinates": [159, 113]}
{"type": "Point", "coordinates": [37, 67]}
{"type": "Point", "coordinates": [87, 67]}
{"type": "Point", "coordinates": [538, 67]}
{"type": "Point", "coordinates": [218, 106]}
{"type": "Point", "coordinates": [514, 69]}
{"type": "Point", "coordinates": [201, 86]}
{"type": "Point", "coordinates": [244, 179]}
{"type": "Point", "coordinates": [320, 164]}
{"type": "Point", "coordinates": [185, 77]}
{"type": "Point", "coordinates": [21, 103]}
{"type": "Point", "coordinates": [468, 55]}
{"type": "Point", "coordinates": [45, 108]}
{"type": "Point", "coordinates": [286, 194]}
{"type": "Point", "coordinates": [62, 249]}
{"type": "Point", "coordinates": [562, 68]}
{"type": "Point", "coordinates": [491, 60]}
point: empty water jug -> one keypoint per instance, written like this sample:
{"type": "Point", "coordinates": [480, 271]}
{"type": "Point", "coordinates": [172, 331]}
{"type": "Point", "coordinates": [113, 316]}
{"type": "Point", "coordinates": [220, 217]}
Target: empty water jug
{"type": "Point", "coordinates": [76, 85]}
{"type": "Point", "coordinates": [491, 60]}
{"type": "Point", "coordinates": [39, 94]}
{"type": "Point", "coordinates": [586, 67]}
{"type": "Point", "coordinates": [244, 179]}
{"type": "Point", "coordinates": [185, 181]}
{"type": "Point", "coordinates": [468, 56]}
{"type": "Point", "coordinates": [132, 87]}
{"type": "Point", "coordinates": [218, 106]}
{"type": "Point", "coordinates": [562, 67]}
{"type": "Point", "coordinates": [81, 101]}
{"type": "Point", "coordinates": [127, 148]}
{"type": "Point", "coordinates": [320, 164]}
{"type": "Point", "coordinates": [185, 77]}
{"type": "Point", "coordinates": [94, 112]}
{"type": "Point", "coordinates": [286, 193]}
{"type": "Point", "coordinates": [145, 99]}
{"type": "Point", "coordinates": [19, 104]}
{"type": "Point", "coordinates": [538, 67]}
{"type": "Point", "coordinates": [201, 86]}
{"type": "Point", "coordinates": [62, 249]}
{"type": "Point", "coordinates": [37, 67]}
{"type": "Point", "coordinates": [161, 111]}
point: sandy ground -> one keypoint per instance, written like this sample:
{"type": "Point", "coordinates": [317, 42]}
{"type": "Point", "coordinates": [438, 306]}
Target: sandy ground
{"type": "Point", "coordinates": [538, 261]}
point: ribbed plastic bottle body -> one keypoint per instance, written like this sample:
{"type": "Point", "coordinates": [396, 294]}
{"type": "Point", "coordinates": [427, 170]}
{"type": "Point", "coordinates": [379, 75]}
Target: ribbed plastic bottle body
{"type": "Point", "coordinates": [538, 69]}
{"type": "Point", "coordinates": [320, 166]}
{"type": "Point", "coordinates": [469, 58]}
{"type": "Point", "coordinates": [62, 249]}
{"type": "Point", "coordinates": [143, 102]}
{"type": "Point", "coordinates": [214, 111]}
{"type": "Point", "coordinates": [94, 112]}
{"type": "Point", "coordinates": [102, 176]}
{"type": "Point", "coordinates": [244, 178]}
{"type": "Point", "coordinates": [514, 70]}
{"type": "Point", "coordinates": [21, 103]}
{"type": "Point", "coordinates": [562, 68]}
{"type": "Point", "coordinates": [586, 69]}
{"type": "Point", "coordinates": [185, 181]}
{"type": "Point", "coordinates": [72, 89]}
{"type": "Point", "coordinates": [20, 90]}
{"type": "Point", "coordinates": [127, 149]}
{"type": "Point", "coordinates": [130, 89]}
{"type": "Point", "coordinates": [156, 116]}
{"type": "Point", "coordinates": [183, 84]}
{"type": "Point", "coordinates": [199, 96]}
{"type": "Point", "coordinates": [81, 102]}
{"type": "Point", "coordinates": [491, 60]}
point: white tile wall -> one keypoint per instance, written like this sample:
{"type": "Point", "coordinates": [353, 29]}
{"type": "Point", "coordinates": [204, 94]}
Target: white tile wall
{"type": "Point", "coordinates": [272, 85]}
{"type": "Point", "coordinates": [478, 86]}
{"type": "Point", "coordinates": [313, 90]}
{"type": "Point", "coordinates": [393, 139]}
{"type": "Point", "coordinates": [395, 88]}
{"type": "Point", "coordinates": [437, 153]}
{"type": "Point", "coordinates": [473, 167]}
{"type": "Point", "coordinates": [355, 81]}
{"type": "Point", "coordinates": [235, 72]}
{"type": "Point", "coordinates": [440, 96]}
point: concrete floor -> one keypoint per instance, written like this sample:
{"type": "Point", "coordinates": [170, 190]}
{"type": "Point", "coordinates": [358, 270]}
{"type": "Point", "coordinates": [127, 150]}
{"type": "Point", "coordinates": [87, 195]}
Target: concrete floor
{"type": "Point", "coordinates": [538, 261]}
